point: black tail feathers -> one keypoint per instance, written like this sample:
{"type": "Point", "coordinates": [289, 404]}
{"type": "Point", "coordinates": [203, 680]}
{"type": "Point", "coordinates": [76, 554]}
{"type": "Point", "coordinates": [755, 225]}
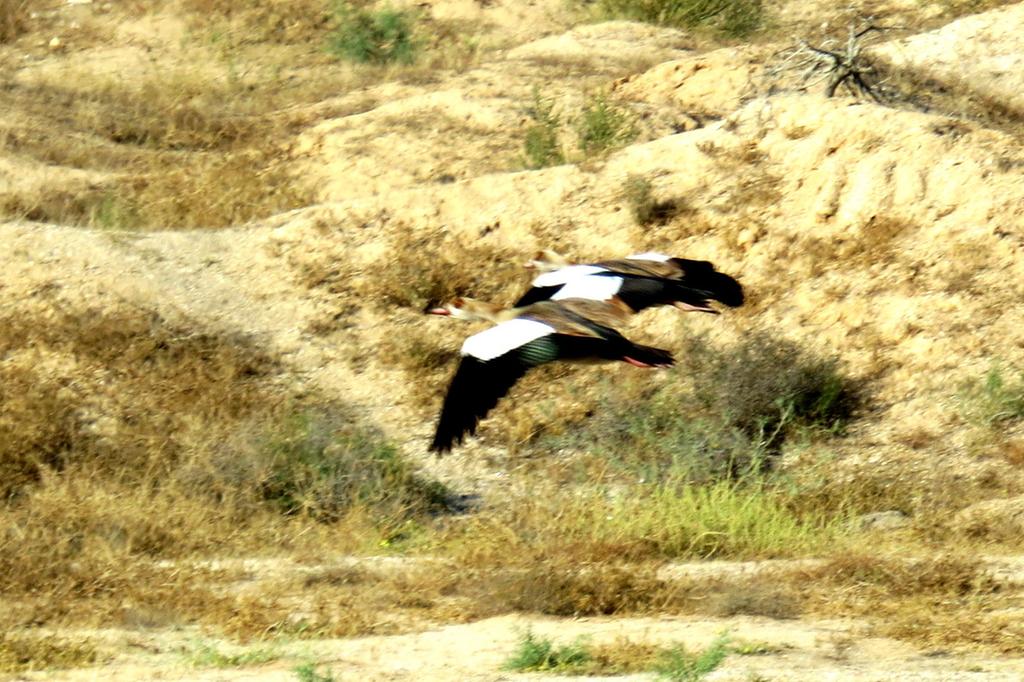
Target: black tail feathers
{"type": "Point", "coordinates": [702, 276]}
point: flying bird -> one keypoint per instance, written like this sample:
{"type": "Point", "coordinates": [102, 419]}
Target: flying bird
{"type": "Point", "coordinates": [640, 281]}
{"type": "Point", "coordinates": [493, 360]}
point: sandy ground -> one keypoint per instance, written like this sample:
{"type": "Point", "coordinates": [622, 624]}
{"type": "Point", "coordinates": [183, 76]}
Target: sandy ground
{"type": "Point", "coordinates": [901, 236]}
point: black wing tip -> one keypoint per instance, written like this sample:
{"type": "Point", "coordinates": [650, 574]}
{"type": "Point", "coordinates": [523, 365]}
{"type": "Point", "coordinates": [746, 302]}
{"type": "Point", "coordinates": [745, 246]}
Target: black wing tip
{"type": "Point", "coordinates": [648, 355]}
{"type": "Point", "coordinates": [730, 291]}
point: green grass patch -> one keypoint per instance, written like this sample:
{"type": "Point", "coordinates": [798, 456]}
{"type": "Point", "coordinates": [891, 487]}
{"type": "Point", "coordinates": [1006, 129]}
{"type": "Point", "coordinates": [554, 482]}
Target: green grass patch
{"type": "Point", "coordinates": [679, 665]}
{"type": "Point", "coordinates": [603, 125]}
{"type": "Point", "coordinates": [994, 399]}
{"type": "Point", "coordinates": [207, 655]}
{"type": "Point", "coordinates": [382, 36]}
{"type": "Point", "coordinates": [671, 519]}
{"type": "Point", "coordinates": [309, 672]}
{"type": "Point", "coordinates": [541, 146]}
{"type": "Point", "coordinates": [541, 654]}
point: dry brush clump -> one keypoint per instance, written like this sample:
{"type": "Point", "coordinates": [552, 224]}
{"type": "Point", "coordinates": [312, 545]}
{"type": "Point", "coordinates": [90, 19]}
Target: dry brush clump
{"type": "Point", "coordinates": [730, 18]}
{"type": "Point", "coordinates": [734, 408]}
{"type": "Point", "coordinates": [129, 441]}
{"type": "Point", "coordinates": [945, 599]}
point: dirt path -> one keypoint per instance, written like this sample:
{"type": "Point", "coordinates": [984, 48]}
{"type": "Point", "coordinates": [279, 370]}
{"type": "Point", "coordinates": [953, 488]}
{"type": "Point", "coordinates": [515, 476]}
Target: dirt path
{"type": "Point", "coordinates": [805, 650]}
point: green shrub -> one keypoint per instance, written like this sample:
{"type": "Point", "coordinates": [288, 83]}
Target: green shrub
{"type": "Point", "coordinates": [537, 653]}
{"type": "Point", "coordinates": [604, 125]}
{"type": "Point", "coordinates": [307, 672]}
{"type": "Point", "coordinates": [726, 417]}
{"type": "Point", "coordinates": [323, 467]}
{"type": "Point", "coordinates": [679, 665]}
{"type": "Point", "coordinates": [318, 464]}
{"type": "Point", "coordinates": [769, 388]}
{"type": "Point", "coordinates": [730, 17]}
{"type": "Point", "coordinates": [541, 147]}
{"type": "Point", "coordinates": [377, 37]}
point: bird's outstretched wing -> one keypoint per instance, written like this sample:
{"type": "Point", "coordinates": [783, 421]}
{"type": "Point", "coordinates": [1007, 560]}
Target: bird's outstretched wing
{"type": "Point", "coordinates": [479, 384]}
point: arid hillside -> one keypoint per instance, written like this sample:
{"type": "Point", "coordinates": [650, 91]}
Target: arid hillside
{"type": "Point", "coordinates": [222, 223]}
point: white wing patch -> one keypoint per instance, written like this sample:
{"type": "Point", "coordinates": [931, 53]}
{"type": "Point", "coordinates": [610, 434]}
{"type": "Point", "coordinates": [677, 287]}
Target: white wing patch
{"type": "Point", "coordinates": [650, 255]}
{"type": "Point", "coordinates": [563, 275]}
{"type": "Point", "coordinates": [594, 288]}
{"type": "Point", "coordinates": [504, 337]}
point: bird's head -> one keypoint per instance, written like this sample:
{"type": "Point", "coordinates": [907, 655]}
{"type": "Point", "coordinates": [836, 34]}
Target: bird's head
{"type": "Point", "coordinates": [546, 261]}
{"type": "Point", "coordinates": [463, 308]}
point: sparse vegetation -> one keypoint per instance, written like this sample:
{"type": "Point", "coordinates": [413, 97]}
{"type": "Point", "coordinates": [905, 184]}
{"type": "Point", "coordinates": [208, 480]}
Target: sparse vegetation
{"type": "Point", "coordinates": [22, 651]}
{"type": "Point", "coordinates": [733, 18]}
{"type": "Point", "coordinates": [541, 147]}
{"type": "Point", "coordinates": [309, 672]}
{"type": "Point", "coordinates": [673, 663]}
{"type": "Point", "coordinates": [160, 471]}
{"type": "Point", "coordinates": [541, 654]}
{"type": "Point", "coordinates": [994, 400]}
{"type": "Point", "coordinates": [207, 655]}
{"type": "Point", "coordinates": [638, 193]}
{"type": "Point", "coordinates": [377, 36]}
{"type": "Point", "coordinates": [679, 665]}
{"type": "Point", "coordinates": [603, 125]}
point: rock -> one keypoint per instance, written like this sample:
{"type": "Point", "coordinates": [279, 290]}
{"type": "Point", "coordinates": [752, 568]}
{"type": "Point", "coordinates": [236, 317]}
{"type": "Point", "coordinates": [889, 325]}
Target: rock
{"type": "Point", "coordinates": [883, 520]}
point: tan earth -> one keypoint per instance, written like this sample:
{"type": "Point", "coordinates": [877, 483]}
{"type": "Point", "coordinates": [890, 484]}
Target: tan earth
{"type": "Point", "coordinates": [889, 235]}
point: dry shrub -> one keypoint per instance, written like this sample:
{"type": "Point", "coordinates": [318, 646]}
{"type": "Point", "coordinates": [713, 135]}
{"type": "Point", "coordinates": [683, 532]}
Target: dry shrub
{"type": "Point", "coordinates": [957, 98]}
{"type": "Point", "coordinates": [134, 383]}
{"type": "Point", "coordinates": [320, 464]}
{"type": "Point", "coordinates": [756, 598]}
{"type": "Point", "coordinates": [769, 387]}
{"type": "Point", "coordinates": [431, 269]}
{"type": "Point", "coordinates": [876, 242]}
{"type": "Point", "coordinates": [273, 21]}
{"type": "Point", "coordinates": [734, 408]}
{"type": "Point", "coordinates": [23, 651]}
{"type": "Point", "coordinates": [564, 587]}
{"type": "Point", "coordinates": [942, 600]}
{"type": "Point", "coordinates": [942, 575]}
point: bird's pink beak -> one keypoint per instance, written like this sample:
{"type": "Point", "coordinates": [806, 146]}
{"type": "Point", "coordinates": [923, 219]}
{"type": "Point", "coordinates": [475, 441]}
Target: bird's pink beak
{"type": "Point", "coordinates": [439, 311]}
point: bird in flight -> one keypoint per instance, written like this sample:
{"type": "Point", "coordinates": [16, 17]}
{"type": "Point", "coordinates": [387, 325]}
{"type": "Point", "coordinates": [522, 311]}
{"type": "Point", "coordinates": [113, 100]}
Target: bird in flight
{"type": "Point", "coordinates": [640, 281]}
{"type": "Point", "coordinates": [494, 359]}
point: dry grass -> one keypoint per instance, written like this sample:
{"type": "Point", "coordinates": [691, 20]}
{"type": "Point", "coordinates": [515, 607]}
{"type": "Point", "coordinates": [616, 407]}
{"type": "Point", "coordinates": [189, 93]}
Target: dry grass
{"type": "Point", "coordinates": [178, 149]}
{"type": "Point", "coordinates": [942, 600]}
{"type": "Point", "coordinates": [959, 99]}
{"type": "Point", "coordinates": [129, 440]}
{"type": "Point", "coordinates": [21, 652]}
